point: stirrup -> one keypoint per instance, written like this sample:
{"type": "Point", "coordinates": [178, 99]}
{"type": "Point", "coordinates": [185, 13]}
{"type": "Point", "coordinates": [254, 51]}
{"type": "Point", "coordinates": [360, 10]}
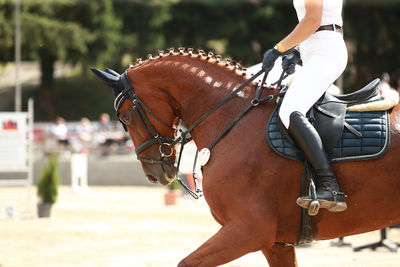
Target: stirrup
{"type": "Point", "coordinates": [313, 206]}
{"type": "Point", "coordinates": [313, 209]}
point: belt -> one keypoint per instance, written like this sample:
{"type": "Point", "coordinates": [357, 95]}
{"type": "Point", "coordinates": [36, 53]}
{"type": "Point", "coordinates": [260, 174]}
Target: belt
{"type": "Point", "coordinates": [330, 27]}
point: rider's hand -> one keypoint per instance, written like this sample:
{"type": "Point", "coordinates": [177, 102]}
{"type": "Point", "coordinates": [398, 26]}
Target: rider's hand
{"type": "Point", "coordinates": [290, 61]}
{"type": "Point", "coordinates": [270, 56]}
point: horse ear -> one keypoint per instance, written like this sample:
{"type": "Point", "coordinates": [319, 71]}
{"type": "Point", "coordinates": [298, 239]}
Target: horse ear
{"type": "Point", "coordinates": [109, 79]}
{"type": "Point", "coordinates": [113, 72]}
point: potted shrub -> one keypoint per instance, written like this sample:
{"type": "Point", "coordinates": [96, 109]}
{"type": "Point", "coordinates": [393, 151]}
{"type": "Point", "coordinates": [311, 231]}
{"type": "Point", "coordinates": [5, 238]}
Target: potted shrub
{"type": "Point", "coordinates": [173, 192]}
{"type": "Point", "coordinates": [47, 187]}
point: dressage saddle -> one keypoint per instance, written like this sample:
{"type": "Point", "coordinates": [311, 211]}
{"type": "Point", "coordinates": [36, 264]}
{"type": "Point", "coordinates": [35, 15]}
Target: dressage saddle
{"type": "Point", "coordinates": [345, 135]}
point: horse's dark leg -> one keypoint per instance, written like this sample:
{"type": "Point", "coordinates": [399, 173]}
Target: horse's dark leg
{"type": "Point", "coordinates": [280, 256]}
{"type": "Point", "coordinates": [232, 241]}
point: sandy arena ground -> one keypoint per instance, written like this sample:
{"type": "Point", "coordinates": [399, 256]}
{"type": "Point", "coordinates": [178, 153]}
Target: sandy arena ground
{"type": "Point", "coordinates": [130, 226]}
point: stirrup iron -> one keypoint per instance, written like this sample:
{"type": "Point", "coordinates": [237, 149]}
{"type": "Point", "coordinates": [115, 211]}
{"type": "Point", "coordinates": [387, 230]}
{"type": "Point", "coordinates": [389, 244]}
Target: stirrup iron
{"type": "Point", "coordinates": [313, 209]}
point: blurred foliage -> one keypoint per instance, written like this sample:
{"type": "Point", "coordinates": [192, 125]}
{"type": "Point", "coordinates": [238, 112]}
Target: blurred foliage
{"type": "Point", "coordinates": [75, 31]}
{"type": "Point", "coordinates": [47, 185]}
{"type": "Point", "coordinates": [239, 29]}
{"type": "Point", "coordinates": [373, 40]}
{"type": "Point", "coordinates": [72, 98]}
{"type": "Point", "coordinates": [113, 33]}
{"type": "Point", "coordinates": [174, 185]}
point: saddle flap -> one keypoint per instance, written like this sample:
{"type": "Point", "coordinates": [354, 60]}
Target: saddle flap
{"type": "Point", "coordinates": [329, 122]}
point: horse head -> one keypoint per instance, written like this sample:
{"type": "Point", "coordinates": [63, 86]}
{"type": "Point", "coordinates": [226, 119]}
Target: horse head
{"type": "Point", "coordinates": [152, 135]}
{"type": "Point", "coordinates": [152, 97]}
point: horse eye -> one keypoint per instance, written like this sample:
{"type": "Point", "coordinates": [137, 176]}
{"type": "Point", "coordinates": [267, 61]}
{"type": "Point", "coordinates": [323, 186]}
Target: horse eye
{"type": "Point", "coordinates": [125, 118]}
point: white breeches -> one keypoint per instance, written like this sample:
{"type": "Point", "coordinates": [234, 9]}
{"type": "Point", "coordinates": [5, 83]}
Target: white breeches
{"type": "Point", "coordinates": [324, 56]}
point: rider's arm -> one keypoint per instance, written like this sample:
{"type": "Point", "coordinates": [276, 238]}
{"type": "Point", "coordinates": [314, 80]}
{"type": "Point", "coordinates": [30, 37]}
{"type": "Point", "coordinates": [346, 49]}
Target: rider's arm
{"type": "Point", "coordinates": [307, 26]}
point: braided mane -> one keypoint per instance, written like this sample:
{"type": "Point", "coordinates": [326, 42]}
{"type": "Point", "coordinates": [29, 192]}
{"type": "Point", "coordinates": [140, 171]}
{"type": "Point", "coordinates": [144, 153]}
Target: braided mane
{"type": "Point", "coordinates": [189, 52]}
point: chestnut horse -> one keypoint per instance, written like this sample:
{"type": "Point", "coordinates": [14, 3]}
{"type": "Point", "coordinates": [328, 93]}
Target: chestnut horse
{"type": "Point", "coordinates": [251, 190]}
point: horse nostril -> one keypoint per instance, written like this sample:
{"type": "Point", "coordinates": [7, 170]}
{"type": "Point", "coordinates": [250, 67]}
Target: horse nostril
{"type": "Point", "coordinates": [152, 179]}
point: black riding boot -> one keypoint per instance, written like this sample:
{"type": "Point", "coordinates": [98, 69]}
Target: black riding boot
{"type": "Point", "coordinates": [308, 140]}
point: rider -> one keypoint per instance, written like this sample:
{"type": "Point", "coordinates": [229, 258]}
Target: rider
{"type": "Point", "coordinates": [318, 38]}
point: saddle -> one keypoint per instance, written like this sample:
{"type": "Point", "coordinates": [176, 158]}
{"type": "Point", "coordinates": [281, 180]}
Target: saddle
{"type": "Point", "coordinates": [345, 135]}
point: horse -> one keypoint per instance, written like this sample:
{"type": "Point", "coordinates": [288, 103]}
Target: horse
{"type": "Point", "coordinates": [251, 191]}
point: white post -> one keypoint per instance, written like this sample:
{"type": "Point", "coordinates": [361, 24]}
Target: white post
{"type": "Point", "coordinates": [79, 173]}
{"type": "Point", "coordinates": [30, 153]}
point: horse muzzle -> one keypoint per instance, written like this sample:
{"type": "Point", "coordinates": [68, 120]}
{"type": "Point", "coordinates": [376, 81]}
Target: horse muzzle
{"type": "Point", "coordinates": [152, 179]}
{"type": "Point", "coordinates": [163, 181]}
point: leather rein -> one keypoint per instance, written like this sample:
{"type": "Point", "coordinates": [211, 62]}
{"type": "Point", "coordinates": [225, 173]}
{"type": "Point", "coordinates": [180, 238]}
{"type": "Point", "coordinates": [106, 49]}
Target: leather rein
{"type": "Point", "coordinates": [167, 143]}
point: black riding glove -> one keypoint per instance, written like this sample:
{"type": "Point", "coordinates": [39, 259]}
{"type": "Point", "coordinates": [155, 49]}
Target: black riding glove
{"type": "Point", "coordinates": [290, 61]}
{"type": "Point", "coordinates": [270, 56]}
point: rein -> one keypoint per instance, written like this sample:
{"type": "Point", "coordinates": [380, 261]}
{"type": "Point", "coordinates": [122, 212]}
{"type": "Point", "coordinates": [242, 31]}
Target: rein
{"type": "Point", "coordinates": [169, 142]}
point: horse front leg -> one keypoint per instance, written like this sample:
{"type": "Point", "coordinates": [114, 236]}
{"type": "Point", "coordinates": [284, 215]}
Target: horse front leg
{"type": "Point", "coordinates": [232, 241]}
{"type": "Point", "coordinates": [281, 256]}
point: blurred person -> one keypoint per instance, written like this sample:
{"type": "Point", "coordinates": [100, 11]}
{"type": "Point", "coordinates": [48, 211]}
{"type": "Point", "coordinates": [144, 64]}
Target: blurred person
{"type": "Point", "coordinates": [104, 123]}
{"type": "Point", "coordinates": [107, 135]}
{"type": "Point", "coordinates": [59, 131]}
{"type": "Point", "coordinates": [318, 41]}
{"type": "Point", "coordinates": [84, 131]}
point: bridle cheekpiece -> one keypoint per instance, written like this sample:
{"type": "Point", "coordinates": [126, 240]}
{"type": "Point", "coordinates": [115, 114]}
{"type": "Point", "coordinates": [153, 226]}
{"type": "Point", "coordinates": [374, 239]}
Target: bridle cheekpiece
{"type": "Point", "coordinates": [125, 91]}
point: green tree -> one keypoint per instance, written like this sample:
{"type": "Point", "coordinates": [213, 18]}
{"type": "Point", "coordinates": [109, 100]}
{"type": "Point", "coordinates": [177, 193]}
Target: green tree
{"type": "Point", "coordinates": [143, 27]}
{"type": "Point", "coordinates": [47, 185]}
{"type": "Point", "coordinates": [240, 29]}
{"type": "Point", "coordinates": [6, 32]}
{"type": "Point", "coordinates": [71, 31]}
{"type": "Point", "coordinates": [372, 36]}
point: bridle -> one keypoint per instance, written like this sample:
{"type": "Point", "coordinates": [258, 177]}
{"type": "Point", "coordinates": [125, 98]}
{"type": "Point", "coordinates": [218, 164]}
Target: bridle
{"type": "Point", "coordinates": [154, 137]}
{"type": "Point", "coordinates": [165, 142]}
{"type": "Point", "coordinates": [169, 142]}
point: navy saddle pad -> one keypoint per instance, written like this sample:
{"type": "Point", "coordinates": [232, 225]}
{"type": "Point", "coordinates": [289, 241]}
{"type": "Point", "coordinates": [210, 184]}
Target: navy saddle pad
{"type": "Point", "coordinates": [374, 127]}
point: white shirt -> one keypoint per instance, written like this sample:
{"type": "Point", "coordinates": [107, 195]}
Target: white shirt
{"type": "Point", "coordinates": [60, 131]}
{"type": "Point", "coordinates": [331, 12]}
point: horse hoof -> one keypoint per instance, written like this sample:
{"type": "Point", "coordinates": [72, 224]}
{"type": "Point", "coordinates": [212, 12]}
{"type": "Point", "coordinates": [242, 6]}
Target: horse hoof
{"type": "Point", "coordinates": [313, 208]}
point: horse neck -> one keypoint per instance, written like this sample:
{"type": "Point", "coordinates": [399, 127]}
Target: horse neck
{"type": "Point", "coordinates": [197, 85]}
